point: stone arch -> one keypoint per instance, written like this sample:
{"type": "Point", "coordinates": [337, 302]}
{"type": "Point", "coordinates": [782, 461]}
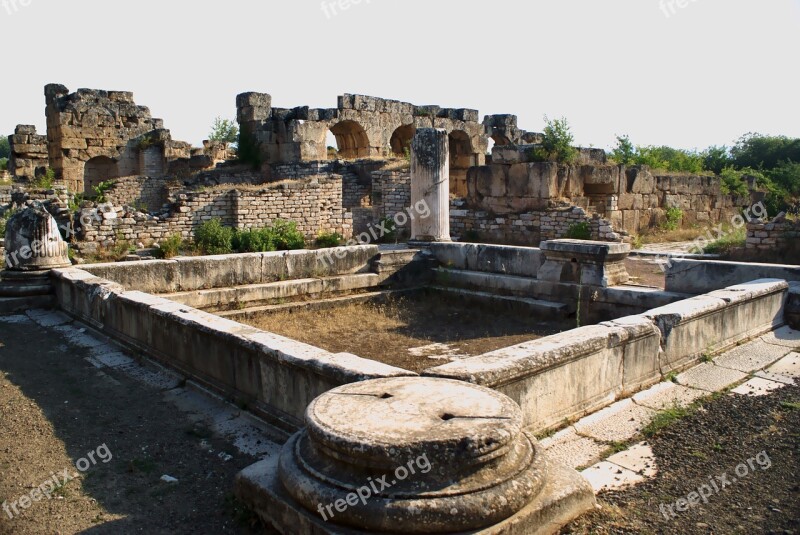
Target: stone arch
{"type": "Point", "coordinates": [352, 140]}
{"type": "Point", "coordinates": [462, 157]}
{"type": "Point", "coordinates": [401, 139]}
{"type": "Point", "coordinates": [97, 170]}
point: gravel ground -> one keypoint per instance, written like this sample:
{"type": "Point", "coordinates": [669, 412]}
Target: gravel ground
{"type": "Point", "coordinates": [711, 445]}
{"type": "Point", "coordinates": [56, 408]}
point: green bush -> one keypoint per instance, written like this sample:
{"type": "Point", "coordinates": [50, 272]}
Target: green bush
{"type": "Point", "coordinates": [624, 153]}
{"type": "Point", "coordinates": [253, 241]}
{"type": "Point", "coordinates": [556, 143]}
{"type": "Point", "coordinates": [716, 159]}
{"type": "Point", "coordinates": [735, 239]}
{"type": "Point", "coordinates": [3, 164]}
{"type": "Point", "coordinates": [224, 130]}
{"type": "Point", "coordinates": [285, 235]}
{"type": "Point", "coordinates": [733, 182]}
{"type": "Point", "coordinates": [390, 236]}
{"type": "Point", "coordinates": [579, 231]}
{"type": "Point", "coordinates": [674, 218]}
{"type": "Point", "coordinates": [169, 247]}
{"type": "Point", "coordinates": [45, 181]}
{"type": "Point", "coordinates": [101, 189]}
{"type": "Point", "coordinates": [327, 240]}
{"type": "Point", "coordinates": [211, 238]}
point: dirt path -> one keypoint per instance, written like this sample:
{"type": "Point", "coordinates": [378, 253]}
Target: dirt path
{"type": "Point", "coordinates": [59, 412]}
{"type": "Point", "coordinates": [750, 443]}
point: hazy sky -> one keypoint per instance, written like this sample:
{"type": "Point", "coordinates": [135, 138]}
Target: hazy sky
{"type": "Point", "coordinates": [689, 76]}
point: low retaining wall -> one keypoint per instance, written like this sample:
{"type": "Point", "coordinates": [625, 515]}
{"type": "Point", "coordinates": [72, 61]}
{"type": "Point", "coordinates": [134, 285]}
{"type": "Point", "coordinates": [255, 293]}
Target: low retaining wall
{"type": "Point", "coordinates": [521, 261]}
{"type": "Point", "coordinates": [275, 376]}
{"type": "Point", "coordinates": [701, 276]}
{"type": "Point", "coordinates": [573, 373]}
{"type": "Point", "coordinates": [187, 274]}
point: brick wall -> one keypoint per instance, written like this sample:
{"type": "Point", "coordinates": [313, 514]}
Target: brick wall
{"type": "Point", "coordinates": [773, 235]}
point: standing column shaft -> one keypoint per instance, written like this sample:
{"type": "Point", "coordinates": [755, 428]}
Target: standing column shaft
{"type": "Point", "coordinates": [430, 185]}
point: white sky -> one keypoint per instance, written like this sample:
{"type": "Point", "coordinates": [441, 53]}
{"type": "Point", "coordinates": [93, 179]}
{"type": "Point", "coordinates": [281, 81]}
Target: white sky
{"type": "Point", "coordinates": [710, 72]}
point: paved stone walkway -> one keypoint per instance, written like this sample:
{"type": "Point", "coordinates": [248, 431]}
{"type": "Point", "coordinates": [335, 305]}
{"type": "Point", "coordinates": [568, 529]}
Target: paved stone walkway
{"type": "Point", "coordinates": [752, 369]}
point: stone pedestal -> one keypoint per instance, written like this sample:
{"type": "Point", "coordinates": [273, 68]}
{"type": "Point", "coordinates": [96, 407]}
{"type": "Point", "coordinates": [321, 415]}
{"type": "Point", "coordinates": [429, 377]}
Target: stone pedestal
{"type": "Point", "coordinates": [33, 247]}
{"type": "Point", "coordinates": [430, 184]}
{"type": "Point", "coordinates": [413, 455]}
{"type": "Point", "coordinates": [591, 263]}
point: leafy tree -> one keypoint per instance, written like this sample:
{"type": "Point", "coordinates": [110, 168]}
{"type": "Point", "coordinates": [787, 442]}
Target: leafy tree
{"type": "Point", "coordinates": [716, 159]}
{"type": "Point", "coordinates": [557, 142]}
{"type": "Point", "coordinates": [224, 130]}
{"type": "Point", "coordinates": [624, 153]}
{"type": "Point", "coordinates": [5, 147]}
{"type": "Point", "coordinates": [765, 152]}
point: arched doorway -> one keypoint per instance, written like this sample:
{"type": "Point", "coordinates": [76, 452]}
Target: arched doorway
{"type": "Point", "coordinates": [351, 140]}
{"type": "Point", "coordinates": [401, 140]}
{"type": "Point", "coordinates": [97, 170]}
{"type": "Point", "coordinates": [461, 159]}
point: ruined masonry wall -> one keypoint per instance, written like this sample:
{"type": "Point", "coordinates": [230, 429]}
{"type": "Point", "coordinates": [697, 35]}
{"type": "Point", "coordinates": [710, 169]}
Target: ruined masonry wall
{"type": "Point", "coordinates": [28, 153]}
{"type": "Point", "coordinates": [315, 205]}
{"type": "Point", "coordinates": [773, 235]}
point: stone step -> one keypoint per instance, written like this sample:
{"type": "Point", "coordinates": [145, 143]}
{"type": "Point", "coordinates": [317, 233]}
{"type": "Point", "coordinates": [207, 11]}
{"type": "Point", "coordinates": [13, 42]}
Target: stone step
{"type": "Point", "coordinates": [12, 305]}
{"type": "Point", "coordinates": [539, 307]}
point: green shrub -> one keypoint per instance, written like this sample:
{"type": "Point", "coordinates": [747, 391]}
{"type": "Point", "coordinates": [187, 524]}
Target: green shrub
{"type": "Point", "coordinates": [329, 239]}
{"type": "Point", "coordinates": [45, 181]}
{"type": "Point", "coordinates": [101, 189]}
{"type": "Point", "coordinates": [285, 235]}
{"type": "Point", "coordinates": [253, 241]}
{"type": "Point", "coordinates": [169, 247]}
{"type": "Point", "coordinates": [732, 240]}
{"type": "Point", "coordinates": [224, 130]}
{"type": "Point", "coordinates": [579, 231]}
{"type": "Point", "coordinates": [733, 182]}
{"type": "Point", "coordinates": [390, 235]}
{"type": "Point", "coordinates": [211, 238]}
{"type": "Point", "coordinates": [556, 143]}
{"type": "Point", "coordinates": [674, 218]}
{"type": "Point", "coordinates": [3, 164]}
{"type": "Point", "coordinates": [624, 153]}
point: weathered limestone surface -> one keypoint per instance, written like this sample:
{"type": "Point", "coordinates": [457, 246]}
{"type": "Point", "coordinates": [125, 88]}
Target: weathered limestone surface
{"type": "Point", "coordinates": [430, 179]}
{"type": "Point", "coordinates": [585, 262]}
{"type": "Point", "coordinates": [775, 235]}
{"type": "Point", "coordinates": [29, 158]}
{"type": "Point", "coordinates": [468, 465]}
{"type": "Point", "coordinates": [521, 261]}
{"type": "Point", "coordinates": [619, 357]}
{"type": "Point", "coordinates": [702, 276]}
{"type": "Point", "coordinates": [33, 241]}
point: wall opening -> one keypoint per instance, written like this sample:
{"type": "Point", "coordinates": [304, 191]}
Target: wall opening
{"type": "Point", "coordinates": [401, 140]}
{"type": "Point", "coordinates": [351, 140]}
{"type": "Point", "coordinates": [97, 170]}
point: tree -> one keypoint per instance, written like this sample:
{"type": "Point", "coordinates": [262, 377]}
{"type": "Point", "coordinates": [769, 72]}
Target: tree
{"type": "Point", "coordinates": [557, 142]}
{"type": "Point", "coordinates": [5, 148]}
{"type": "Point", "coordinates": [717, 159]}
{"type": "Point", "coordinates": [624, 153]}
{"type": "Point", "coordinates": [765, 152]}
{"type": "Point", "coordinates": [224, 130]}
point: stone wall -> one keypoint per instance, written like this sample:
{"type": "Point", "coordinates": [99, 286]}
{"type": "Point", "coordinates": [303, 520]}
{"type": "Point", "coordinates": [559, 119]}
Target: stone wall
{"type": "Point", "coordinates": [527, 228]}
{"type": "Point", "coordinates": [778, 234]}
{"type": "Point", "coordinates": [28, 153]}
{"type": "Point", "coordinates": [314, 204]}
{"type": "Point", "coordinates": [96, 135]}
{"type": "Point", "coordinates": [364, 127]}
{"type": "Point", "coordinates": [142, 192]}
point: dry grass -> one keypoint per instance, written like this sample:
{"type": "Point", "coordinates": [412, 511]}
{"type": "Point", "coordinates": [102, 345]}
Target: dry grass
{"type": "Point", "coordinates": [671, 236]}
{"type": "Point", "coordinates": [386, 331]}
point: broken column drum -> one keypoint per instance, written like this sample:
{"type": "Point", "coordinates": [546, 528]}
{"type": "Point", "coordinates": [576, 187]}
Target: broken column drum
{"type": "Point", "coordinates": [430, 184]}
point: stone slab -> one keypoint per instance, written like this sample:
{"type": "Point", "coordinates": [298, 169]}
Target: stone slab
{"type": "Point", "coordinates": [786, 370]}
{"type": "Point", "coordinates": [757, 386]}
{"type": "Point", "coordinates": [638, 458]}
{"type": "Point", "coordinates": [785, 336]}
{"type": "Point", "coordinates": [751, 356]}
{"type": "Point", "coordinates": [609, 476]}
{"type": "Point", "coordinates": [566, 496]}
{"type": "Point", "coordinates": [571, 449]}
{"type": "Point", "coordinates": [667, 395]}
{"type": "Point", "coordinates": [48, 318]}
{"type": "Point", "coordinates": [619, 422]}
{"type": "Point", "coordinates": [710, 377]}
